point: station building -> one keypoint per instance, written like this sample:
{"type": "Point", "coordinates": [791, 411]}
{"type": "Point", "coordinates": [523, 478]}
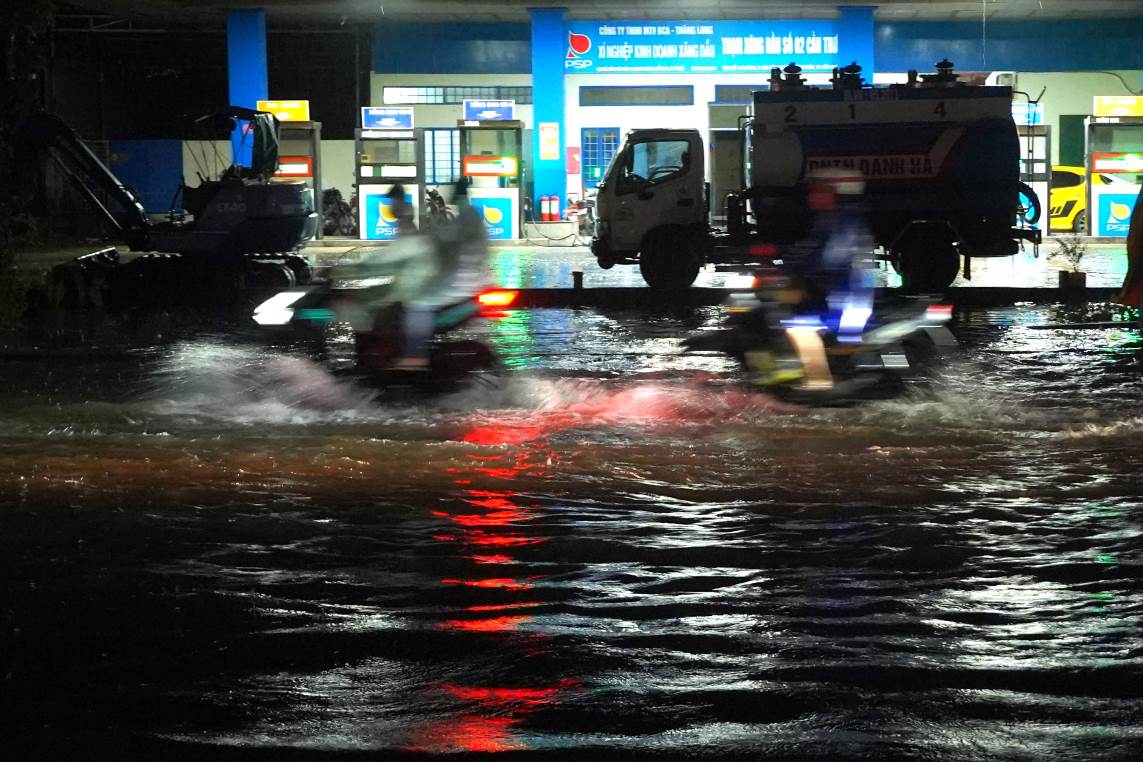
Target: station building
{"type": "Point", "coordinates": [594, 80]}
{"type": "Point", "coordinates": [579, 84]}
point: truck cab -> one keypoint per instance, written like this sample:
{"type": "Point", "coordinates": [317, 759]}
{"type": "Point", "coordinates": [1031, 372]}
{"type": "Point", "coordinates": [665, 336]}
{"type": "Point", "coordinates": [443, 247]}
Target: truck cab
{"type": "Point", "coordinates": [652, 207]}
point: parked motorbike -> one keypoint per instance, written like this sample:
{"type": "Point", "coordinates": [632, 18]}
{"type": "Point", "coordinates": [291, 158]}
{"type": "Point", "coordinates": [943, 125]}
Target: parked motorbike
{"type": "Point", "coordinates": [761, 333]}
{"type": "Point", "coordinates": [583, 212]}
{"type": "Point", "coordinates": [339, 217]}
{"type": "Point", "coordinates": [437, 211]}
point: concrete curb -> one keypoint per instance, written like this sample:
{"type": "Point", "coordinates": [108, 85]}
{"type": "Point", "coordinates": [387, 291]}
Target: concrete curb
{"type": "Point", "coordinates": [638, 297]}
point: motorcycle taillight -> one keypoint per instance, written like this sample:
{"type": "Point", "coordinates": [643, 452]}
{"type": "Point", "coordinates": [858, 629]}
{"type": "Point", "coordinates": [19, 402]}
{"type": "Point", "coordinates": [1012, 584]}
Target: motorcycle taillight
{"type": "Point", "coordinates": [497, 298]}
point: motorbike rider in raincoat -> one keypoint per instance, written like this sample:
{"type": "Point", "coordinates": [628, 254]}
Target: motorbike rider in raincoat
{"type": "Point", "coordinates": [422, 272]}
{"type": "Point", "coordinates": [830, 285]}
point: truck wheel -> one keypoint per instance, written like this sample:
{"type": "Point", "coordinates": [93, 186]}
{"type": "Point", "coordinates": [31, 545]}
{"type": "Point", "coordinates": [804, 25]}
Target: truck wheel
{"type": "Point", "coordinates": [926, 264]}
{"type": "Point", "coordinates": [668, 261]}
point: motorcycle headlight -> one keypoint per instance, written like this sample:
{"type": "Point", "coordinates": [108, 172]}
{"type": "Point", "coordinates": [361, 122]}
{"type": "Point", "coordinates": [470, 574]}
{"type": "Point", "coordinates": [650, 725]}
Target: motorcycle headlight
{"type": "Point", "coordinates": [278, 309]}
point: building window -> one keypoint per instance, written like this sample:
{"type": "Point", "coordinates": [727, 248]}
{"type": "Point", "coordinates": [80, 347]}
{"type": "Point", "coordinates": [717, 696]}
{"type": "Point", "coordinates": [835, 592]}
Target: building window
{"type": "Point", "coordinates": [736, 93]}
{"type": "Point", "coordinates": [414, 95]}
{"type": "Point", "coordinates": [442, 156]}
{"type": "Point", "coordinates": [597, 146]}
{"type": "Point", "coordinates": [650, 95]}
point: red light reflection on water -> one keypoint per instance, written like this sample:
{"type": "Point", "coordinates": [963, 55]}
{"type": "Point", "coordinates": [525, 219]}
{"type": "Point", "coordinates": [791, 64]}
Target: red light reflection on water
{"type": "Point", "coordinates": [504, 435]}
{"type": "Point", "coordinates": [490, 559]}
{"type": "Point", "coordinates": [485, 719]}
{"type": "Point", "coordinates": [489, 726]}
{"type": "Point", "coordinates": [494, 624]}
{"type": "Point", "coordinates": [505, 583]}
{"type": "Point", "coordinates": [467, 733]}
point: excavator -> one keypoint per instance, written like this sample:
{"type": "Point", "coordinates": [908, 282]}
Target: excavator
{"type": "Point", "coordinates": [240, 235]}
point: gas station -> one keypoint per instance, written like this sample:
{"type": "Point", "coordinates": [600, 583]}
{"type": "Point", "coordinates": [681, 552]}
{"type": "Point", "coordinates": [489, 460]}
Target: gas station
{"type": "Point", "coordinates": [432, 113]}
{"type": "Point", "coordinates": [817, 443]}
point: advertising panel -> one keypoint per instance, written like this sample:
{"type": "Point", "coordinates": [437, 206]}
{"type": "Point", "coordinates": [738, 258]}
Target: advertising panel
{"type": "Point", "coordinates": [549, 140]}
{"type": "Point", "coordinates": [1116, 105]}
{"type": "Point", "coordinates": [387, 117]}
{"type": "Point", "coordinates": [378, 222]}
{"type": "Point", "coordinates": [287, 111]}
{"type": "Point", "coordinates": [497, 214]}
{"type": "Point", "coordinates": [700, 46]}
{"type": "Point", "coordinates": [1113, 214]}
{"type": "Point", "coordinates": [489, 111]}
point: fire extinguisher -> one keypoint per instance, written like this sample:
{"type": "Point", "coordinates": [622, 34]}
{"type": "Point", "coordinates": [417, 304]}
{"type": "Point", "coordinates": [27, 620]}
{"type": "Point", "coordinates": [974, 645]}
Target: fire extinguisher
{"type": "Point", "coordinates": [545, 209]}
{"type": "Point", "coordinates": [554, 208]}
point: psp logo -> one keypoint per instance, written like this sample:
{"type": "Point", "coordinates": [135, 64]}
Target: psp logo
{"type": "Point", "coordinates": [1116, 213]}
{"type": "Point", "coordinates": [578, 45]}
{"type": "Point", "coordinates": [497, 213]}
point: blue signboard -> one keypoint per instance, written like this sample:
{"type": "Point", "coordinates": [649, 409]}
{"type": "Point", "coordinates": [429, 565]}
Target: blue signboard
{"type": "Point", "coordinates": [497, 216]}
{"type": "Point", "coordinates": [489, 111]}
{"type": "Point", "coordinates": [700, 46]}
{"type": "Point", "coordinates": [1113, 214]}
{"type": "Point", "coordinates": [380, 221]}
{"type": "Point", "coordinates": [387, 118]}
{"type": "Point", "coordinates": [1027, 113]}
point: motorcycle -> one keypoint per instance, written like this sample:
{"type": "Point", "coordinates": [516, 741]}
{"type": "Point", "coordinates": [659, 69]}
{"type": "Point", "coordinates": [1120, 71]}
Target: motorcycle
{"type": "Point", "coordinates": [339, 217]}
{"type": "Point", "coordinates": [310, 312]}
{"type": "Point", "coordinates": [765, 336]}
{"type": "Point", "coordinates": [437, 211]}
{"type": "Point", "coordinates": [438, 272]}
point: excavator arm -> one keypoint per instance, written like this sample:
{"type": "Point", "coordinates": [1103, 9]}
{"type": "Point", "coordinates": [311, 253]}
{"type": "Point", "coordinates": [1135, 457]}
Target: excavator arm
{"type": "Point", "coordinates": [114, 201]}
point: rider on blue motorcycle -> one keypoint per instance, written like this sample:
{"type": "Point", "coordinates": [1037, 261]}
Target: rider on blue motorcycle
{"type": "Point", "coordinates": [830, 286]}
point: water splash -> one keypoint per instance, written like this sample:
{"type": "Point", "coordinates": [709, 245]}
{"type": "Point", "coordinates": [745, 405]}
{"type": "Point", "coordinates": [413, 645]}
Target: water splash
{"type": "Point", "coordinates": [208, 380]}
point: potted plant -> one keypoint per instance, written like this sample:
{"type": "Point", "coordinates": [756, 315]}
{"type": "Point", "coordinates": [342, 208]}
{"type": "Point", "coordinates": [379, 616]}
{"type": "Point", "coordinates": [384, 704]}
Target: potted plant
{"type": "Point", "coordinates": [1072, 249]}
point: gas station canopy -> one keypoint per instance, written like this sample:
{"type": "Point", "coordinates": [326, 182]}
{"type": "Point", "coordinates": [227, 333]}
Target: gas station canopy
{"type": "Point", "coordinates": [345, 11]}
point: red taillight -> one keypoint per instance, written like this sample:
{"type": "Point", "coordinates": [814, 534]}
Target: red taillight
{"type": "Point", "coordinates": [497, 298]}
{"type": "Point", "coordinates": [763, 250]}
{"type": "Point", "coordinates": [939, 311]}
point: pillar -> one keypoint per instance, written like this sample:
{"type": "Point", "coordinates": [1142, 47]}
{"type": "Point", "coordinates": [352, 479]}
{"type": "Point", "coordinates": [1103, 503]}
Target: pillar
{"type": "Point", "coordinates": [246, 69]}
{"type": "Point", "coordinates": [549, 46]}
{"type": "Point", "coordinates": [856, 38]}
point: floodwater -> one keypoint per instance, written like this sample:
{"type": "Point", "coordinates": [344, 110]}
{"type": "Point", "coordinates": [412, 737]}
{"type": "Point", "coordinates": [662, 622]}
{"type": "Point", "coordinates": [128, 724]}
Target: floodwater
{"type": "Point", "coordinates": [212, 549]}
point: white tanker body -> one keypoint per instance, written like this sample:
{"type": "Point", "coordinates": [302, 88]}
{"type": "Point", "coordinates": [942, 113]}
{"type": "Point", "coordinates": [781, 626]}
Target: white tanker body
{"type": "Point", "coordinates": [940, 159]}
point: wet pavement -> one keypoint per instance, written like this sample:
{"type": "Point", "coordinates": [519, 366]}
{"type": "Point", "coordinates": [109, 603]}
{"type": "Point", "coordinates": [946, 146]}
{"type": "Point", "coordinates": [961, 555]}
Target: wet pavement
{"type": "Point", "coordinates": [540, 264]}
{"type": "Point", "coordinates": [213, 548]}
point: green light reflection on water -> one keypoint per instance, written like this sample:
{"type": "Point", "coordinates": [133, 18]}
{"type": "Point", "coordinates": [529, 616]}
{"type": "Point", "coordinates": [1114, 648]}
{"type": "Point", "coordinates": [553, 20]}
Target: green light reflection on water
{"type": "Point", "coordinates": [507, 267]}
{"type": "Point", "coordinates": [512, 338]}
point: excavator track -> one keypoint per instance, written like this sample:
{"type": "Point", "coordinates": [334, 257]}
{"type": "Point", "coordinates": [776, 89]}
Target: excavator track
{"type": "Point", "coordinates": [103, 281]}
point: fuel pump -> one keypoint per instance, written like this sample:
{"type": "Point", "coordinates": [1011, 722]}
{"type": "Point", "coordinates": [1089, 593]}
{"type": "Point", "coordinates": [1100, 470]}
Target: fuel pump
{"type": "Point", "coordinates": [300, 158]}
{"type": "Point", "coordinates": [385, 158]}
{"type": "Point", "coordinates": [491, 153]}
{"type": "Point", "coordinates": [299, 147]}
{"type": "Point", "coordinates": [1114, 163]}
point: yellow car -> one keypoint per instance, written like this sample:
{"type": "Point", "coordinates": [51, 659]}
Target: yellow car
{"type": "Point", "coordinates": [1068, 198]}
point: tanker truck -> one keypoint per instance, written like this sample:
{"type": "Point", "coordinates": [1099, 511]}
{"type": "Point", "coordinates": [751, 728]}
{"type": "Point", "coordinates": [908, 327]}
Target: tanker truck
{"type": "Point", "coordinates": [940, 158]}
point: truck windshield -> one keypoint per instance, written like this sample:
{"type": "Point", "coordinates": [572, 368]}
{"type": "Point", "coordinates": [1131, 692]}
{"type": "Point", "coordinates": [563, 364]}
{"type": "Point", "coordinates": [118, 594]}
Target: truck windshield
{"type": "Point", "coordinates": [657, 160]}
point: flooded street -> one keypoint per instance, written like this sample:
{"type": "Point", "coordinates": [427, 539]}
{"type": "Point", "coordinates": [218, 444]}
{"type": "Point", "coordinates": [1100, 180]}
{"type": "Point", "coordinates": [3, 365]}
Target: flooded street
{"type": "Point", "coordinates": [214, 548]}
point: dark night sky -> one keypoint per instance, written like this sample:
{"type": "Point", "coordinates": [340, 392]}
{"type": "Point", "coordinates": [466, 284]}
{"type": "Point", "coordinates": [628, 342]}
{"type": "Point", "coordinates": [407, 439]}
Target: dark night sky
{"type": "Point", "coordinates": [123, 85]}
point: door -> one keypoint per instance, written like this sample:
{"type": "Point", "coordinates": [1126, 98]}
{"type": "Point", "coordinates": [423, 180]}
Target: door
{"type": "Point", "coordinates": [660, 182]}
{"type": "Point", "coordinates": [725, 170]}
